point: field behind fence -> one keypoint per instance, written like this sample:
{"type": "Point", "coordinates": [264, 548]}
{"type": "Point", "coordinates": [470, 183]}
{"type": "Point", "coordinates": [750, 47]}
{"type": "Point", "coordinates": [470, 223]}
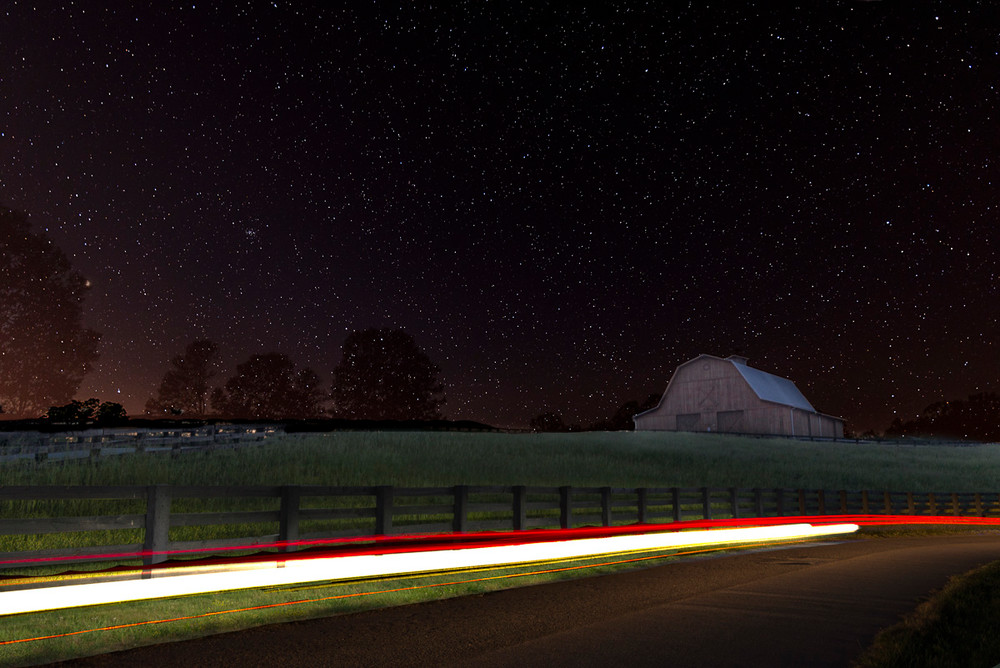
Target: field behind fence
{"type": "Point", "coordinates": [325, 486]}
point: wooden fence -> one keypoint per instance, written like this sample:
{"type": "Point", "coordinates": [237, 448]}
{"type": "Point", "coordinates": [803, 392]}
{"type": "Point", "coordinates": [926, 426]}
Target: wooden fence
{"type": "Point", "coordinates": [159, 520]}
{"type": "Point", "coordinates": [91, 443]}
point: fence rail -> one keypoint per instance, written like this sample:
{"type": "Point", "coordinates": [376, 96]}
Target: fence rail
{"type": "Point", "coordinates": [90, 443]}
{"type": "Point", "coordinates": [160, 519]}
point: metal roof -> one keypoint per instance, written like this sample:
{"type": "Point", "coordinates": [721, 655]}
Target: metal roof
{"type": "Point", "coordinates": [769, 387]}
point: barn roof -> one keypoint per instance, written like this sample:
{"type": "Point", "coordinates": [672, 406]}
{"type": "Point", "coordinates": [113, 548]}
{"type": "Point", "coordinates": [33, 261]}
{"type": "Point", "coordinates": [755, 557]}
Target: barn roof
{"type": "Point", "coordinates": [769, 387]}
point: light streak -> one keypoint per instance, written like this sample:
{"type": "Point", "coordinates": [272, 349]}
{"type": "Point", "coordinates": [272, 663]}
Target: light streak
{"type": "Point", "coordinates": [215, 613]}
{"type": "Point", "coordinates": [404, 560]}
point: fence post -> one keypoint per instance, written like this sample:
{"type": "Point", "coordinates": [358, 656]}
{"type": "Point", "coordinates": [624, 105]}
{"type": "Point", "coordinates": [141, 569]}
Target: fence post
{"type": "Point", "coordinates": [821, 500]}
{"type": "Point", "coordinates": [910, 507]}
{"type": "Point", "coordinates": [931, 503]}
{"type": "Point", "coordinates": [843, 501]}
{"type": "Point", "coordinates": [520, 507]}
{"type": "Point", "coordinates": [734, 503]}
{"type": "Point", "coordinates": [156, 537]}
{"type": "Point", "coordinates": [758, 501]}
{"type": "Point", "coordinates": [954, 503]}
{"type": "Point", "coordinates": [979, 504]}
{"type": "Point", "coordinates": [675, 496]}
{"type": "Point", "coordinates": [779, 501]}
{"type": "Point", "coordinates": [383, 510]}
{"type": "Point", "coordinates": [642, 504]}
{"type": "Point", "coordinates": [288, 517]}
{"type": "Point", "coordinates": [864, 502]}
{"type": "Point", "coordinates": [802, 502]}
{"type": "Point", "coordinates": [606, 506]}
{"type": "Point", "coordinates": [460, 517]}
{"type": "Point", "coordinates": [565, 508]}
{"type": "Point", "coordinates": [706, 507]}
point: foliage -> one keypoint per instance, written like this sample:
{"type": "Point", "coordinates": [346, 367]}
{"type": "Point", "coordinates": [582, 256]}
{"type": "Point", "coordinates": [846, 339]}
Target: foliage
{"type": "Point", "coordinates": [74, 411]}
{"type": "Point", "coordinates": [45, 350]}
{"type": "Point", "coordinates": [956, 627]}
{"type": "Point", "coordinates": [82, 412]}
{"type": "Point", "coordinates": [547, 422]}
{"type": "Point", "coordinates": [268, 387]}
{"type": "Point", "coordinates": [976, 418]}
{"type": "Point", "coordinates": [552, 422]}
{"type": "Point", "coordinates": [385, 375]}
{"type": "Point", "coordinates": [110, 413]}
{"type": "Point", "coordinates": [184, 389]}
{"type": "Point", "coordinates": [622, 419]}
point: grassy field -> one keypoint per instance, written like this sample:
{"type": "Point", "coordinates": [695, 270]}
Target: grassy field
{"type": "Point", "coordinates": [422, 459]}
{"type": "Point", "coordinates": [620, 459]}
{"type": "Point", "coordinates": [955, 628]}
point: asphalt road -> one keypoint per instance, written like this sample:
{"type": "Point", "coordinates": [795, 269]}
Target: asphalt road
{"type": "Point", "coordinates": [802, 606]}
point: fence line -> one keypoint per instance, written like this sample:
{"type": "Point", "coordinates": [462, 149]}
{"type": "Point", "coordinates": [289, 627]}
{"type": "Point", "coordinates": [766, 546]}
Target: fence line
{"type": "Point", "coordinates": [91, 443]}
{"type": "Point", "coordinates": [180, 518]}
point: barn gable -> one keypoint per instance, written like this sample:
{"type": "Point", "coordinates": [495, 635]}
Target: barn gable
{"type": "Point", "coordinates": [709, 393]}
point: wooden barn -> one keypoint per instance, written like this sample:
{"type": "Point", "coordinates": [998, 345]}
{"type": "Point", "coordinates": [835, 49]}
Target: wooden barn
{"type": "Point", "coordinates": [709, 393]}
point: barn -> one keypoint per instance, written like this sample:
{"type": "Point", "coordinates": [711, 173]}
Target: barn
{"type": "Point", "coordinates": [710, 393]}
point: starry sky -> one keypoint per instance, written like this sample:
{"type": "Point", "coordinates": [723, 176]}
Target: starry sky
{"type": "Point", "coordinates": [560, 201]}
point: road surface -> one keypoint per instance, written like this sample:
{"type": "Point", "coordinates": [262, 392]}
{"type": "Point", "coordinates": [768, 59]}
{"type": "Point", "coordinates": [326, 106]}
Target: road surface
{"type": "Point", "coordinates": [800, 606]}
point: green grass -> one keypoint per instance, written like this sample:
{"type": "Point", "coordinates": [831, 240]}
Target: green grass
{"type": "Point", "coordinates": [418, 459]}
{"type": "Point", "coordinates": [955, 628]}
{"type": "Point", "coordinates": [618, 459]}
{"type": "Point", "coordinates": [92, 633]}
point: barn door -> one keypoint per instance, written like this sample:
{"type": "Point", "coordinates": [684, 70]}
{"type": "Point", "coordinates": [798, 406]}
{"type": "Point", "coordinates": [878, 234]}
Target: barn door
{"type": "Point", "coordinates": [688, 422]}
{"type": "Point", "coordinates": [730, 421]}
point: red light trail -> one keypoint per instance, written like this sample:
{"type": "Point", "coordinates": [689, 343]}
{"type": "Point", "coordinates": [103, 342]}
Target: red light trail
{"type": "Point", "coordinates": [360, 594]}
{"type": "Point", "coordinates": [352, 558]}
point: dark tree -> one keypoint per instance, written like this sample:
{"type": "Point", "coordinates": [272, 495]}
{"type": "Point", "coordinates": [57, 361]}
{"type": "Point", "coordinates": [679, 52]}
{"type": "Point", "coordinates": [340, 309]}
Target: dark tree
{"type": "Point", "coordinates": [268, 387]}
{"type": "Point", "coordinates": [109, 413]}
{"type": "Point", "coordinates": [384, 375]}
{"type": "Point", "coordinates": [45, 350]}
{"type": "Point", "coordinates": [184, 389]}
{"type": "Point", "coordinates": [548, 422]}
{"type": "Point", "coordinates": [622, 419]}
{"type": "Point", "coordinates": [75, 411]}
{"type": "Point", "coordinates": [977, 418]}
{"type": "Point", "coordinates": [91, 410]}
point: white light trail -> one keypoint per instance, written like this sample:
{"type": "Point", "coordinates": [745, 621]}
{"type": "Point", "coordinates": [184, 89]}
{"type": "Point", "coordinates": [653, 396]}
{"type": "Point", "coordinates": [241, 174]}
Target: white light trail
{"type": "Point", "coordinates": [276, 573]}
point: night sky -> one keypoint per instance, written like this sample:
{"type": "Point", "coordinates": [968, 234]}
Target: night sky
{"type": "Point", "coordinates": [561, 202]}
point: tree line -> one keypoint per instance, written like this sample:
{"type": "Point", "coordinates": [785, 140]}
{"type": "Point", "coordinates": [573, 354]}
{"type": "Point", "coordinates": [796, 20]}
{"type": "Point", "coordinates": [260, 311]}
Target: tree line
{"type": "Point", "coordinates": [383, 375]}
{"type": "Point", "coordinates": [621, 420]}
{"type": "Point", "coordinates": [45, 352]}
{"type": "Point", "coordinates": [975, 418]}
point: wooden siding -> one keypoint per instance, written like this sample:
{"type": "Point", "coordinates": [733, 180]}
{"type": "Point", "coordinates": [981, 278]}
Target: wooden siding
{"type": "Point", "coordinates": [709, 394]}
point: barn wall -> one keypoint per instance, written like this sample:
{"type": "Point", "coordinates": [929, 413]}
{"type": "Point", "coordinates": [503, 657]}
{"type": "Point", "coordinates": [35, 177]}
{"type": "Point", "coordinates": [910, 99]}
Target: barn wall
{"type": "Point", "coordinates": [707, 386]}
{"type": "Point", "coordinates": [656, 423]}
{"type": "Point", "coordinates": [709, 394]}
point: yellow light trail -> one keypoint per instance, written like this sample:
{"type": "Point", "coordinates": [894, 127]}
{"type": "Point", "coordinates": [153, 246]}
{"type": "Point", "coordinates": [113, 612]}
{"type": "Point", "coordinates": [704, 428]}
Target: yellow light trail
{"type": "Point", "coordinates": [280, 572]}
{"type": "Point", "coordinates": [215, 613]}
